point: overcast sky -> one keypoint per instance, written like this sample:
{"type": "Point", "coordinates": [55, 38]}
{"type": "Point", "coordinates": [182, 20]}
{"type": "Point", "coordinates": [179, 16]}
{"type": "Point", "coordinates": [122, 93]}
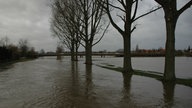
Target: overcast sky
{"type": "Point", "coordinates": [30, 19]}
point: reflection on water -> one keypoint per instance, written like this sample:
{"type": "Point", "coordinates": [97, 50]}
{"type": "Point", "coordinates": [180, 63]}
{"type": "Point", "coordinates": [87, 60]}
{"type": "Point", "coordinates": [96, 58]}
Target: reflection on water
{"type": "Point", "coordinates": [127, 97]}
{"type": "Point", "coordinates": [168, 94]}
{"type": "Point", "coordinates": [49, 83]}
{"type": "Point", "coordinates": [126, 85]}
{"type": "Point", "coordinates": [89, 83]}
{"type": "Point", "coordinates": [74, 90]}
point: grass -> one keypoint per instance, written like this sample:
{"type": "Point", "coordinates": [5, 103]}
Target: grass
{"type": "Point", "coordinates": [150, 74]}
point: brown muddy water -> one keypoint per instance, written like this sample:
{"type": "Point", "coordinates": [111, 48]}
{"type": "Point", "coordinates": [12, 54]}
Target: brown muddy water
{"type": "Point", "coordinates": [49, 83]}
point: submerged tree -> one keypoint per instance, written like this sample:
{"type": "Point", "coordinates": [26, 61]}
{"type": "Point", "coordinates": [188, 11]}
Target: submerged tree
{"type": "Point", "coordinates": [93, 24]}
{"type": "Point", "coordinates": [127, 12]}
{"type": "Point", "coordinates": [79, 20]}
{"type": "Point", "coordinates": [171, 16]}
{"type": "Point", "coordinates": [59, 50]}
{"type": "Point", "coordinates": [65, 24]}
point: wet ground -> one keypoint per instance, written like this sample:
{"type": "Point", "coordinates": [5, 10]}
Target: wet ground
{"type": "Point", "coordinates": [49, 83]}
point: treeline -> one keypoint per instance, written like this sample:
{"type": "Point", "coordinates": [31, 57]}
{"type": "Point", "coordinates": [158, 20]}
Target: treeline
{"type": "Point", "coordinates": [10, 52]}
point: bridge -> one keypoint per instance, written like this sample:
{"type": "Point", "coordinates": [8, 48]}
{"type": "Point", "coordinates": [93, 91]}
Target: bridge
{"type": "Point", "coordinates": [81, 54]}
{"type": "Point", "coordinates": [114, 54]}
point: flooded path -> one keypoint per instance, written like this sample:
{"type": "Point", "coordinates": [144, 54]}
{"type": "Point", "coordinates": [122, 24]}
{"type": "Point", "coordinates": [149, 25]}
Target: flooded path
{"type": "Point", "coordinates": [49, 83]}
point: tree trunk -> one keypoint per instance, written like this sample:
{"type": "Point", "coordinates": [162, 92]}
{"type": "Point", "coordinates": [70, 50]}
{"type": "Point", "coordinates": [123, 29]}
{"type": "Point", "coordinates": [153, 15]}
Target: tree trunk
{"type": "Point", "coordinates": [126, 88]}
{"type": "Point", "coordinates": [127, 67]}
{"type": "Point", "coordinates": [58, 56]}
{"type": "Point", "coordinates": [169, 70]}
{"type": "Point", "coordinates": [88, 54]}
{"type": "Point", "coordinates": [76, 52]}
{"type": "Point", "coordinates": [168, 94]}
{"type": "Point", "coordinates": [72, 51]}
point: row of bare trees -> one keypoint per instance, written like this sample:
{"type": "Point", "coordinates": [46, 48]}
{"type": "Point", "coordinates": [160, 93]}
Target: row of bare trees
{"type": "Point", "coordinates": [80, 22]}
{"type": "Point", "coordinates": [65, 25]}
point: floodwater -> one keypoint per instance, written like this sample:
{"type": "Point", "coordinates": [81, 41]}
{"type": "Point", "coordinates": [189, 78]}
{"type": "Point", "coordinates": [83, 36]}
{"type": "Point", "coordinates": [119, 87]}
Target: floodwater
{"type": "Point", "coordinates": [50, 83]}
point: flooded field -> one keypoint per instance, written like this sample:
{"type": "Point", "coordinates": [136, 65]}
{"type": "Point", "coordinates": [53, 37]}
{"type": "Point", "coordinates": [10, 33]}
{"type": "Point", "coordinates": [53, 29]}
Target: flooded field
{"type": "Point", "coordinates": [50, 83]}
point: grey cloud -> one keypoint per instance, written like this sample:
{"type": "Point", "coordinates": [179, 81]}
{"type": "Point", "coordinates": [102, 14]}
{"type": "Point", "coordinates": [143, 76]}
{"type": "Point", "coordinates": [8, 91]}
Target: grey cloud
{"type": "Point", "coordinates": [30, 19]}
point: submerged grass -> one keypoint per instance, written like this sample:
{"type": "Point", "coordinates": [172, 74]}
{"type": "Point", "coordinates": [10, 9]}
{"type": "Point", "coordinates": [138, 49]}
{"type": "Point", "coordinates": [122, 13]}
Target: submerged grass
{"type": "Point", "coordinates": [8, 64]}
{"type": "Point", "coordinates": [107, 64]}
{"type": "Point", "coordinates": [150, 74]}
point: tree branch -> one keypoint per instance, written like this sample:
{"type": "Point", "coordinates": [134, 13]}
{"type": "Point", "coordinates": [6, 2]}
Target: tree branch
{"type": "Point", "coordinates": [135, 11]}
{"type": "Point", "coordinates": [111, 19]}
{"type": "Point", "coordinates": [102, 35]}
{"type": "Point", "coordinates": [185, 7]}
{"type": "Point", "coordinates": [116, 7]}
{"type": "Point", "coordinates": [133, 28]}
{"type": "Point", "coordinates": [147, 13]}
{"type": "Point", "coordinates": [161, 2]}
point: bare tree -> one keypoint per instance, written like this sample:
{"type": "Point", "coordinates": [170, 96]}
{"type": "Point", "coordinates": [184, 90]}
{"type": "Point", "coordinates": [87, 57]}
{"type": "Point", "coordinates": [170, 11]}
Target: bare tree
{"type": "Point", "coordinates": [79, 20]}
{"type": "Point", "coordinates": [127, 12]}
{"type": "Point", "coordinates": [93, 24]}
{"type": "Point", "coordinates": [171, 16]}
{"type": "Point", "coordinates": [4, 41]}
{"type": "Point", "coordinates": [65, 23]}
{"type": "Point", "coordinates": [24, 47]}
{"type": "Point", "coordinates": [42, 52]}
{"type": "Point", "coordinates": [59, 50]}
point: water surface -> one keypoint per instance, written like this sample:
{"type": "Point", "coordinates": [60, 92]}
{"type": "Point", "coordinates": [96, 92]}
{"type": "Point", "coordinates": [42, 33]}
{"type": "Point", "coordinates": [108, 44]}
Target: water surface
{"type": "Point", "coordinates": [50, 83]}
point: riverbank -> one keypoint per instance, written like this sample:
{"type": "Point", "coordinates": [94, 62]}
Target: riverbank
{"type": "Point", "coordinates": [10, 62]}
